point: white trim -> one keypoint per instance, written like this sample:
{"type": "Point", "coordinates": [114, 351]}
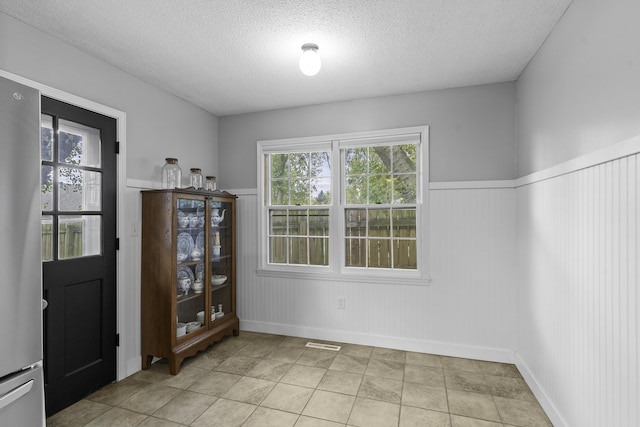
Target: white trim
{"type": "Point", "coordinates": [406, 344]}
{"type": "Point", "coordinates": [619, 150]}
{"type": "Point", "coordinates": [143, 184]}
{"type": "Point", "coordinates": [393, 277]}
{"type": "Point", "coordinates": [271, 143]}
{"type": "Point", "coordinates": [417, 134]}
{"type": "Point", "coordinates": [67, 97]}
{"type": "Point", "coordinates": [457, 185]}
{"type": "Point", "coordinates": [244, 191]}
{"type": "Point", "coordinates": [544, 400]}
{"type": "Point", "coordinates": [122, 365]}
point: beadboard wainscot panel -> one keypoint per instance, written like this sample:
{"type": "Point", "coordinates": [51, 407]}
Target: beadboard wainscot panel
{"type": "Point", "coordinates": [467, 310]}
{"type": "Point", "coordinates": [578, 300]}
{"type": "Point", "coordinates": [131, 247]}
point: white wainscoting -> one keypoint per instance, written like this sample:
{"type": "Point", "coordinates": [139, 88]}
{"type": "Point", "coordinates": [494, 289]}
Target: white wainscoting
{"type": "Point", "coordinates": [467, 311]}
{"type": "Point", "coordinates": [130, 246]}
{"type": "Point", "coordinates": [578, 298]}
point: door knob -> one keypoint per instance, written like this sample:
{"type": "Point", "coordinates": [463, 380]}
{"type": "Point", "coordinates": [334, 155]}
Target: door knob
{"type": "Point", "coordinates": [45, 303]}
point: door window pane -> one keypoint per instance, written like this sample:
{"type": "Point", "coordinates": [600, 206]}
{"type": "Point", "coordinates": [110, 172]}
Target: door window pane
{"type": "Point", "coordinates": [47, 238]}
{"type": "Point", "coordinates": [79, 235]}
{"type": "Point", "coordinates": [79, 190]}
{"type": "Point", "coordinates": [46, 137]}
{"type": "Point", "coordinates": [78, 144]}
{"type": "Point", "coordinates": [46, 187]}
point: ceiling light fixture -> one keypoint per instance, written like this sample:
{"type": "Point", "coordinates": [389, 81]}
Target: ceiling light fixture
{"type": "Point", "coordinates": [310, 59]}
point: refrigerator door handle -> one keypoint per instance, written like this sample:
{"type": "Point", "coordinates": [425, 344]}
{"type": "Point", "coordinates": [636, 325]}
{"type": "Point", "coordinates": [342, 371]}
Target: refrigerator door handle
{"type": "Point", "coordinates": [45, 304]}
{"type": "Point", "coordinates": [15, 394]}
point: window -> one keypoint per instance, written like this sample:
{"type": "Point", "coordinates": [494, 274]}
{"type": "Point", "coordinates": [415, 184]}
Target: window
{"type": "Point", "coordinates": [299, 186]}
{"type": "Point", "coordinates": [346, 204]}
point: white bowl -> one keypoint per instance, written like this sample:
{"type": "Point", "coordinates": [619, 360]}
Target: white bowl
{"type": "Point", "coordinates": [192, 326]}
{"type": "Point", "coordinates": [218, 279]}
{"type": "Point", "coordinates": [181, 329]}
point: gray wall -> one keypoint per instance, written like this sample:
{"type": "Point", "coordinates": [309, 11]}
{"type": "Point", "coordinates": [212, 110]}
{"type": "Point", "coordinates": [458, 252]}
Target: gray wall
{"type": "Point", "coordinates": [472, 130]}
{"type": "Point", "coordinates": [581, 91]}
{"type": "Point", "coordinates": [159, 124]}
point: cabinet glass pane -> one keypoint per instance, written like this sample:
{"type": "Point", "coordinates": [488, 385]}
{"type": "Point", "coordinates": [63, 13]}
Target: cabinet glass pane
{"type": "Point", "coordinates": [191, 272]}
{"type": "Point", "coordinates": [221, 259]}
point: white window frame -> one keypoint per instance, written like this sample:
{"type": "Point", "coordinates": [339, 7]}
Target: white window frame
{"type": "Point", "coordinates": [336, 271]}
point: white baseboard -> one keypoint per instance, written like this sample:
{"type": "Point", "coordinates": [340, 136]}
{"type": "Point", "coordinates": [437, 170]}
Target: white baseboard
{"type": "Point", "coordinates": [544, 400]}
{"type": "Point", "coordinates": [432, 347]}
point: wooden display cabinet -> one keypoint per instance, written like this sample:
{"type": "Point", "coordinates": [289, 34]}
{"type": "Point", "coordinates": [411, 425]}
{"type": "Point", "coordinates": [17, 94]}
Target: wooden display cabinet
{"type": "Point", "coordinates": [188, 245]}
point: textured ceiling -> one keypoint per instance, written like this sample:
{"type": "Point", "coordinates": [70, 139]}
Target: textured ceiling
{"type": "Point", "coordinates": [233, 56]}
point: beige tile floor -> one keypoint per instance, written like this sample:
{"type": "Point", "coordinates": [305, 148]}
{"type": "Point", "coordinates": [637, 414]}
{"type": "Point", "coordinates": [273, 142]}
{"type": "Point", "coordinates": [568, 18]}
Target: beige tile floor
{"type": "Point", "coordinates": [270, 380]}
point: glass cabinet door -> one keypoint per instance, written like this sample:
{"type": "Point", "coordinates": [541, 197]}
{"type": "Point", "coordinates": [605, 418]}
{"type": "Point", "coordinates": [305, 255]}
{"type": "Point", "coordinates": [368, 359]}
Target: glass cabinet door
{"type": "Point", "coordinates": [221, 258]}
{"type": "Point", "coordinates": [191, 273]}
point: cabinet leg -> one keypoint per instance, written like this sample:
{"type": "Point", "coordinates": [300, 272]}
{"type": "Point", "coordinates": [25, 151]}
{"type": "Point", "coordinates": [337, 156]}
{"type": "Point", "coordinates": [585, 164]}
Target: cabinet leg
{"type": "Point", "coordinates": [146, 362]}
{"type": "Point", "coordinates": [236, 329]}
{"type": "Point", "coordinates": [174, 365]}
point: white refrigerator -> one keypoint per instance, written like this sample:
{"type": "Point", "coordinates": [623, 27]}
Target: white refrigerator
{"type": "Point", "coordinates": [21, 372]}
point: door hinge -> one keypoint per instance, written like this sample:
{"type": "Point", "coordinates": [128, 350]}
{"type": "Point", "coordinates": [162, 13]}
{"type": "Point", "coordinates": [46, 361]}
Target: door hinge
{"type": "Point", "coordinates": [117, 340]}
{"type": "Point", "coordinates": [117, 144]}
{"type": "Point", "coordinates": [118, 244]}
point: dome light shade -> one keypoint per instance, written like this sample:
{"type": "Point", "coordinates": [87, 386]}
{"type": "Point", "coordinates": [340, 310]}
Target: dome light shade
{"type": "Point", "coordinates": [310, 59]}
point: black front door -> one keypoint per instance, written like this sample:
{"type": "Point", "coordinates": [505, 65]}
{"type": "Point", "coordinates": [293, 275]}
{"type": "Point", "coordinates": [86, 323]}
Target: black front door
{"type": "Point", "coordinates": [79, 184]}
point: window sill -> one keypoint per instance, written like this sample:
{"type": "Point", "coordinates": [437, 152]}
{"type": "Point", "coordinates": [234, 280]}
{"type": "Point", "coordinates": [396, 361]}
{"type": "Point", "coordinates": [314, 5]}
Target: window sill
{"type": "Point", "coordinates": [391, 278]}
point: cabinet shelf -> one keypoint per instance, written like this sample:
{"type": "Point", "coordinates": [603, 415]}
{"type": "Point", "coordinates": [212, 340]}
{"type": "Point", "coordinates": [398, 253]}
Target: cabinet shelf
{"type": "Point", "coordinates": [180, 298]}
{"type": "Point", "coordinates": [216, 288]}
{"type": "Point", "coordinates": [163, 304]}
{"type": "Point", "coordinates": [190, 262]}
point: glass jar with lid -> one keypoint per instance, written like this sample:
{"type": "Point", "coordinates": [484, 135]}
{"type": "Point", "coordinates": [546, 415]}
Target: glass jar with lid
{"type": "Point", "coordinates": [195, 178]}
{"type": "Point", "coordinates": [210, 183]}
{"type": "Point", "coordinates": [171, 173]}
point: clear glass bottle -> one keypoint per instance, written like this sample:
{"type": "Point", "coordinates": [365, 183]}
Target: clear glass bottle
{"type": "Point", "coordinates": [210, 183]}
{"type": "Point", "coordinates": [195, 178]}
{"type": "Point", "coordinates": [171, 173]}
